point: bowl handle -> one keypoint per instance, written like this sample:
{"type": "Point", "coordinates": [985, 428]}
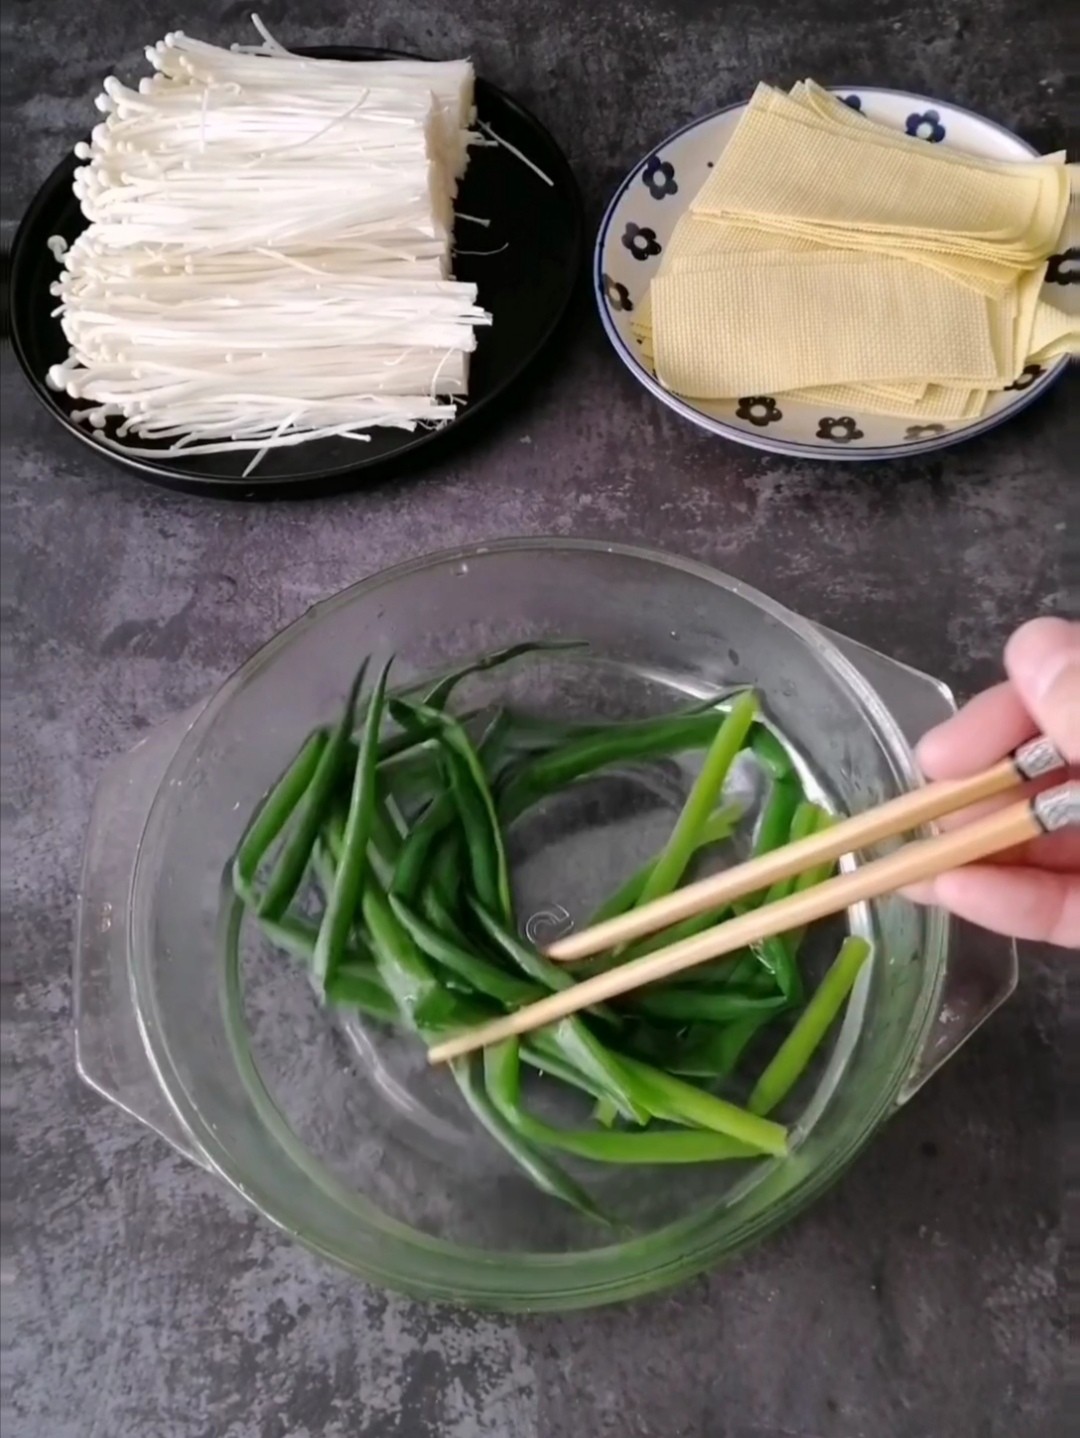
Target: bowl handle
{"type": "Point", "coordinates": [109, 1049]}
{"type": "Point", "coordinates": [982, 973]}
{"type": "Point", "coordinates": [983, 968]}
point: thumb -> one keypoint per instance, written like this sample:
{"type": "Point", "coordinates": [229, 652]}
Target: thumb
{"type": "Point", "coordinates": [1043, 662]}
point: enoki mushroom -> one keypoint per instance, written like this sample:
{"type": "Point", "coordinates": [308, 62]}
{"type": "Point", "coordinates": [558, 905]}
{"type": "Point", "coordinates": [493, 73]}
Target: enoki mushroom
{"type": "Point", "coordinates": [268, 254]}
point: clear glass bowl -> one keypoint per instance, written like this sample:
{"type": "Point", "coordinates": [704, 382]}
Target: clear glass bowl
{"type": "Point", "coordinates": [341, 1133]}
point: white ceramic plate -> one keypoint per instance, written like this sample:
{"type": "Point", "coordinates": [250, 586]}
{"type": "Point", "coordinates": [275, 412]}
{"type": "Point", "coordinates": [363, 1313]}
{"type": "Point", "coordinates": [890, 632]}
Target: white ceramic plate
{"type": "Point", "coordinates": [639, 222]}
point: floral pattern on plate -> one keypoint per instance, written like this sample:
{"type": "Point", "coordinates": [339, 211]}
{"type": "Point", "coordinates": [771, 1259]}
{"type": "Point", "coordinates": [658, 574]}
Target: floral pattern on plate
{"type": "Point", "coordinates": [641, 241]}
{"type": "Point", "coordinates": [618, 296]}
{"type": "Point", "coordinates": [1064, 269]}
{"type": "Point", "coordinates": [759, 409]}
{"type": "Point", "coordinates": [658, 177]}
{"type": "Point", "coordinates": [926, 126]}
{"type": "Point", "coordinates": [1026, 378]}
{"type": "Point", "coordinates": [839, 431]}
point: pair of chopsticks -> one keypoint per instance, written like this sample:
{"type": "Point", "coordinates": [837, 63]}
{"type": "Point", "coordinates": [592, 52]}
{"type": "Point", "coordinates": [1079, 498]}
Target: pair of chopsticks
{"type": "Point", "coordinates": [1053, 809]}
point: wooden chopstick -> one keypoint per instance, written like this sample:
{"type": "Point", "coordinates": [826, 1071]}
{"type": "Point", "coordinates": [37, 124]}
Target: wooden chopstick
{"type": "Point", "coordinates": [897, 816]}
{"type": "Point", "coordinates": [924, 859]}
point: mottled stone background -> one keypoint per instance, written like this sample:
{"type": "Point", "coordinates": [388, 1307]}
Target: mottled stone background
{"type": "Point", "coordinates": [923, 1297]}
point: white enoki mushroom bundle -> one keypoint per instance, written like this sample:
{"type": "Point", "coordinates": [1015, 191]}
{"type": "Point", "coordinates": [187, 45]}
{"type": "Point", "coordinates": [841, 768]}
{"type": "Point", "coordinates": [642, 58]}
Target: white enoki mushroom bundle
{"type": "Point", "coordinates": [268, 255]}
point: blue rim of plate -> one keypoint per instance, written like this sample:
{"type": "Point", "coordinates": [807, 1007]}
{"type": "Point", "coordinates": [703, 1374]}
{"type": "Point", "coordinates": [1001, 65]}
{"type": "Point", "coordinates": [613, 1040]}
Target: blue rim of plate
{"type": "Point", "coordinates": [787, 446]}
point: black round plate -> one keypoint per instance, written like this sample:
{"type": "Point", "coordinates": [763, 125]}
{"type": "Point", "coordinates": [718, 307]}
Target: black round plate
{"type": "Point", "coordinates": [536, 234]}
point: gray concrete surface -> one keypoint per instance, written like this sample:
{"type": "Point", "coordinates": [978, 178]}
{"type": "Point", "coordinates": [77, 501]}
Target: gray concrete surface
{"type": "Point", "coordinates": [924, 1297]}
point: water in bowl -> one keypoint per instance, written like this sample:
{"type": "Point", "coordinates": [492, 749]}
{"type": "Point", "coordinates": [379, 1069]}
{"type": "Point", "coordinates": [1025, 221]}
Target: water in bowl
{"type": "Point", "coordinates": [364, 1100]}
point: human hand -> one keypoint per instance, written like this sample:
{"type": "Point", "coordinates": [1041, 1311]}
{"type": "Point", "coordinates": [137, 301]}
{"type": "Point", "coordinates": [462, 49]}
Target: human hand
{"type": "Point", "coordinates": [1033, 892]}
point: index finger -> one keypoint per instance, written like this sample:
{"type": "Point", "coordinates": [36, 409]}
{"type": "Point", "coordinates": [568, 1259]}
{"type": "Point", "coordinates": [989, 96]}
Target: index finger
{"type": "Point", "coordinates": [987, 728]}
{"type": "Point", "coordinates": [1043, 661]}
